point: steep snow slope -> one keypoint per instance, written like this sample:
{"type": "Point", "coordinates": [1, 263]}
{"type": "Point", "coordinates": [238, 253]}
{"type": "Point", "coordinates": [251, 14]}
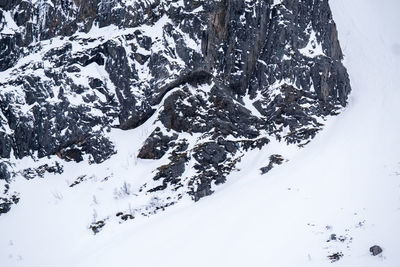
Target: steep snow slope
{"type": "Point", "coordinates": [345, 182]}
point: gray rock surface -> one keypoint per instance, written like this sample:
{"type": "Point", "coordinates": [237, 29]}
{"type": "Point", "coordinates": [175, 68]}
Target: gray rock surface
{"type": "Point", "coordinates": [375, 250]}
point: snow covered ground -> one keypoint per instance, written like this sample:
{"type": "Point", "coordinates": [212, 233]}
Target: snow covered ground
{"type": "Point", "coordinates": [345, 182]}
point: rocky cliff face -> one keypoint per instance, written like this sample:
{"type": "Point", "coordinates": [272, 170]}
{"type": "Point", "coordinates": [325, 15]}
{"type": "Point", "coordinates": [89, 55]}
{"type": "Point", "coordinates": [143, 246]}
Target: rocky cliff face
{"type": "Point", "coordinates": [234, 74]}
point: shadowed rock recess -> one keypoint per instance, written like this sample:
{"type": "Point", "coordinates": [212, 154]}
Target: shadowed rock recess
{"type": "Point", "coordinates": [232, 73]}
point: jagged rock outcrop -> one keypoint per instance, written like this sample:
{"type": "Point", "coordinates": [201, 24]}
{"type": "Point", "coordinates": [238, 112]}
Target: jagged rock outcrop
{"type": "Point", "coordinates": [232, 73]}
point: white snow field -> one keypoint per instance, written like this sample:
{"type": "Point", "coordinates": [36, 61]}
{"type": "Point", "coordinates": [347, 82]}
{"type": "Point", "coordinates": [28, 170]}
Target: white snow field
{"type": "Point", "coordinates": [345, 182]}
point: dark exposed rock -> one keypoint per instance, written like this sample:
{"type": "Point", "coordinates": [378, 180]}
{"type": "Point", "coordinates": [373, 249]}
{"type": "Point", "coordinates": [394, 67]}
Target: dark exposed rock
{"type": "Point", "coordinates": [253, 144]}
{"type": "Point", "coordinates": [5, 171]}
{"type": "Point", "coordinates": [335, 256]}
{"type": "Point", "coordinates": [97, 226]}
{"type": "Point", "coordinates": [212, 171]}
{"type": "Point", "coordinates": [156, 145]}
{"type": "Point", "coordinates": [78, 180]}
{"type": "Point", "coordinates": [375, 250]}
{"type": "Point", "coordinates": [273, 160]}
{"type": "Point", "coordinates": [170, 173]}
{"type": "Point", "coordinates": [7, 202]}
{"type": "Point", "coordinates": [210, 153]}
{"type": "Point", "coordinates": [179, 116]}
{"type": "Point", "coordinates": [31, 173]}
{"type": "Point", "coordinates": [99, 148]}
{"type": "Point", "coordinates": [341, 238]}
{"type": "Point", "coordinates": [5, 205]}
{"type": "Point", "coordinates": [203, 186]}
{"type": "Point", "coordinates": [125, 217]}
{"type": "Point", "coordinates": [6, 145]}
{"type": "Point", "coordinates": [71, 154]}
{"type": "Point", "coordinates": [9, 52]}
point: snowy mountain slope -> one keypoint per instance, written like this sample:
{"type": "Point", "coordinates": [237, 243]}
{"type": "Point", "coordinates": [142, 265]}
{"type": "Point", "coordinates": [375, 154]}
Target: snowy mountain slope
{"type": "Point", "coordinates": [346, 178]}
{"type": "Point", "coordinates": [202, 83]}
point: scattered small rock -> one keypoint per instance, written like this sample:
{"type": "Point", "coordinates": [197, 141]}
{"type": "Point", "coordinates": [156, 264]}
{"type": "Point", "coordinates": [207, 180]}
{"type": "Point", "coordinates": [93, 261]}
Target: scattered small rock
{"type": "Point", "coordinates": [331, 238]}
{"type": "Point", "coordinates": [78, 180]}
{"type": "Point", "coordinates": [125, 217]}
{"type": "Point", "coordinates": [360, 224]}
{"type": "Point", "coordinates": [31, 173]}
{"type": "Point", "coordinates": [335, 256]}
{"type": "Point", "coordinates": [96, 226]}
